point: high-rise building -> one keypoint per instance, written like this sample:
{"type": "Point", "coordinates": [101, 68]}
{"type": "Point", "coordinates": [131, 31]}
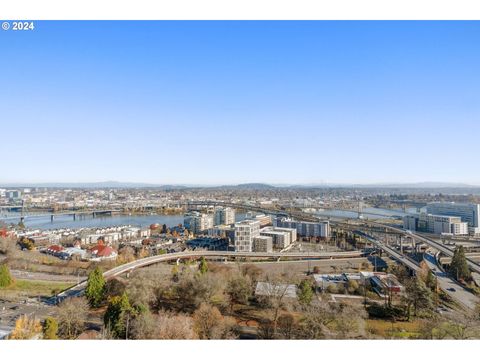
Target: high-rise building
{"type": "Point", "coordinates": [13, 194]}
{"type": "Point", "coordinates": [467, 212]}
{"type": "Point", "coordinates": [224, 216]}
{"type": "Point", "coordinates": [197, 222]}
{"type": "Point", "coordinates": [245, 231]}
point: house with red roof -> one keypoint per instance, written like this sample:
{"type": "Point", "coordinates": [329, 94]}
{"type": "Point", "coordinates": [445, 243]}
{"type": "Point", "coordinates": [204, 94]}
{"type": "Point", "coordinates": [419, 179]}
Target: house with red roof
{"type": "Point", "coordinates": [102, 252]}
{"type": "Point", "coordinates": [54, 250]}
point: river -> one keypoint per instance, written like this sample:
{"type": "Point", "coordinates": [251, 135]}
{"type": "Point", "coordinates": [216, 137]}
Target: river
{"type": "Point", "coordinates": [66, 222]}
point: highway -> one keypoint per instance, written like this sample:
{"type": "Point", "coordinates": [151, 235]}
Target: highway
{"type": "Point", "coordinates": [459, 294]}
{"type": "Point", "coordinates": [450, 286]}
{"type": "Point", "coordinates": [392, 252]}
{"type": "Point", "coordinates": [434, 244]}
{"type": "Point", "coordinates": [79, 288]}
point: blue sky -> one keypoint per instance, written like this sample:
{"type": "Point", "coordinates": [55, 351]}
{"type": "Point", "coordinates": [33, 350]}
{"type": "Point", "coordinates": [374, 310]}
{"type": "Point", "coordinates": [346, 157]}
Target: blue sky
{"type": "Point", "coordinates": [233, 102]}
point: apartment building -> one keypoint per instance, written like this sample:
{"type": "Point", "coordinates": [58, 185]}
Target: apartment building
{"type": "Point", "coordinates": [262, 244]}
{"type": "Point", "coordinates": [245, 232]}
{"type": "Point", "coordinates": [197, 222]}
{"type": "Point", "coordinates": [281, 237]}
{"type": "Point", "coordinates": [224, 216]}
{"type": "Point", "coordinates": [304, 228]}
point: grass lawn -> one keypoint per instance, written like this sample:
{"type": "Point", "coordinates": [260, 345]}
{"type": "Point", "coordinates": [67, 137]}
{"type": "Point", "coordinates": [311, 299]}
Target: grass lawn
{"type": "Point", "coordinates": [397, 330]}
{"type": "Point", "coordinates": [34, 287]}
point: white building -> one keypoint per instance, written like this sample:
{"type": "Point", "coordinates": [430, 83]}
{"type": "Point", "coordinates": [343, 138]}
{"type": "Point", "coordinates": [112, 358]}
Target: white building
{"type": "Point", "coordinates": [281, 237]}
{"type": "Point", "coordinates": [224, 216]}
{"type": "Point", "coordinates": [198, 222]}
{"type": "Point", "coordinates": [469, 213]}
{"type": "Point", "coordinates": [437, 224]}
{"type": "Point", "coordinates": [304, 228]}
{"type": "Point", "coordinates": [245, 231]}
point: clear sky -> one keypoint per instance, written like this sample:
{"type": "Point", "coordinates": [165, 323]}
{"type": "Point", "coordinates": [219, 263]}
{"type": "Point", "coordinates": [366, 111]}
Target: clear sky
{"type": "Point", "coordinates": [234, 102]}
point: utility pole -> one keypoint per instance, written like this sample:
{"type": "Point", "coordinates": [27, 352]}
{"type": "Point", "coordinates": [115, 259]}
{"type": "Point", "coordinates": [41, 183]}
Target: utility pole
{"type": "Point", "coordinates": [308, 255]}
{"type": "Point", "coordinates": [365, 292]}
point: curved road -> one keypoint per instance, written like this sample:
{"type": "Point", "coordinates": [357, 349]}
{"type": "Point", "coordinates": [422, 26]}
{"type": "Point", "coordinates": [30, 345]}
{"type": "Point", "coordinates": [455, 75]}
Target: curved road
{"type": "Point", "coordinates": [450, 286]}
{"type": "Point", "coordinates": [79, 288]}
{"type": "Point", "coordinates": [434, 244]}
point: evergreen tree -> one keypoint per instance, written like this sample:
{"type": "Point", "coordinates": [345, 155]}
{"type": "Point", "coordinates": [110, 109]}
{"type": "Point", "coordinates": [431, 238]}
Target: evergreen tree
{"type": "Point", "coordinates": [50, 329]}
{"type": "Point", "coordinates": [305, 292]}
{"type": "Point", "coordinates": [95, 287]}
{"type": "Point", "coordinates": [417, 296]}
{"type": "Point", "coordinates": [203, 267]}
{"type": "Point", "coordinates": [459, 267]}
{"type": "Point", "coordinates": [5, 276]}
{"type": "Point", "coordinates": [430, 281]}
{"type": "Point", "coordinates": [118, 316]}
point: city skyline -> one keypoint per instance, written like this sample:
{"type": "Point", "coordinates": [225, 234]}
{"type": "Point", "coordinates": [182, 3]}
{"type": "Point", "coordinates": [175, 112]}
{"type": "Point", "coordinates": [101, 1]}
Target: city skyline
{"type": "Point", "coordinates": [253, 102]}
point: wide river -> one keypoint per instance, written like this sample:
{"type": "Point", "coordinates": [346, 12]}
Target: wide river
{"type": "Point", "coordinates": [67, 222]}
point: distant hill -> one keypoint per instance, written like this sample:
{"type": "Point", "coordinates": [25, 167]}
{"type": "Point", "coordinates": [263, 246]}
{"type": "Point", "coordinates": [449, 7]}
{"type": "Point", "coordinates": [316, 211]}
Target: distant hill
{"type": "Point", "coordinates": [95, 185]}
{"type": "Point", "coordinates": [254, 186]}
{"type": "Point", "coordinates": [246, 186]}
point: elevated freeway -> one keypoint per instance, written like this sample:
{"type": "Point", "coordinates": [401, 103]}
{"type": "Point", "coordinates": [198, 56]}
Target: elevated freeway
{"type": "Point", "coordinates": [397, 255]}
{"type": "Point", "coordinates": [455, 290]}
{"type": "Point", "coordinates": [119, 270]}
{"type": "Point", "coordinates": [432, 243]}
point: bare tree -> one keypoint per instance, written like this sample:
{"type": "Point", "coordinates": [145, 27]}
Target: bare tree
{"type": "Point", "coordinates": [171, 327]}
{"type": "Point", "coordinates": [286, 325]}
{"type": "Point", "coordinates": [238, 290]}
{"type": "Point", "coordinates": [462, 326]}
{"type": "Point", "coordinates": [349, 320]}
{"type": "Point", "coordinates": [315, 321]}
{"type": "Point", "coordinates": [143, 326]}
{"type": "Point", "coordinates": [142, 286]}
{"type": "Point", "coordinates": [210, 324]}
{"type": "Point", "coordinates": [276, 293]}
{"type": "Point", "coordinates": [72, 314]}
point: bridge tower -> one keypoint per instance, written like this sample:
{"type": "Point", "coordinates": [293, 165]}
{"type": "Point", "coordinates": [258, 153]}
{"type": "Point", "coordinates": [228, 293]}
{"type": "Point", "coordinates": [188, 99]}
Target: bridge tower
{"type": "Point", "coordinates": [360, 209]}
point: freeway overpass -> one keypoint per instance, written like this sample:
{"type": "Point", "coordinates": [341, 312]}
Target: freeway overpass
{"type": "Point", "coordinates": [457, 292]}
{"type": "Point", "coordinates": [125, 268]}
{"type": "Point", "coordinates": [297, 214]}
{"type": "Point", "coordinates": [392, 252]}
{"type": "Point", "coordinates": [434, 244]}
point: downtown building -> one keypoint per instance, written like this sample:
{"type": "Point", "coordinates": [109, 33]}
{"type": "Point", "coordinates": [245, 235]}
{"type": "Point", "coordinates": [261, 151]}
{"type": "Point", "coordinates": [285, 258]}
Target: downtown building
{"type": "Point", "coordinates": [224, 216]}
{"type": "Point", "coordinates": [436, 224]}
{"type": "Point", "coordinates": [245, 233]}
{"type": "Point", "coordinates": [469, 213]}
{"type": "Point", "coordinates": [282, 238]}
{"type": "Point", "coordinates": [197, 222]}
{"type": "Point", "coordinates": [262, 244]}
{"type": "Point", "coordinates": [304, 228]}
{"type": "Point", "coordinates": [249, 237]}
